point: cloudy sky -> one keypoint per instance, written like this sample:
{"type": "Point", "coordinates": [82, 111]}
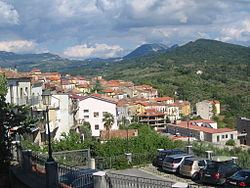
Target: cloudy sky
{"type": "Point", "coordinates": [111, 28]}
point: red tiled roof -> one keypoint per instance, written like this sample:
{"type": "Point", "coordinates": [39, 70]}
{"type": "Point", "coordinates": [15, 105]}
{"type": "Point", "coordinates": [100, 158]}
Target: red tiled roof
{"type": "Point", "coordinates": [36, 70]}
{"type": "Point", "coordinates": [214, 102]}
{"type": "Point", "coordinates": [202, 121]}
{"type": "Point", "coordinates": [204, 129]}
{"type": "Point", "coordinates": [143, 103]}
{"type": "Point", "coordinates": [103, 97]}
{"type": "Point", "coordinates": [163, 99]}
{"type": "Point", "coordinates": [108, 90]}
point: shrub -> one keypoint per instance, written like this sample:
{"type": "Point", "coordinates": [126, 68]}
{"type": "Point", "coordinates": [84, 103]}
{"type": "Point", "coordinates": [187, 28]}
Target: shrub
{"type": "Point", "coordinates": [230, 142]}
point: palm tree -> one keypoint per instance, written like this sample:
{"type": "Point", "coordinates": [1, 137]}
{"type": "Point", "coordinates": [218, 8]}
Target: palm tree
{"type": "Point", "coordinates": [108, 120]}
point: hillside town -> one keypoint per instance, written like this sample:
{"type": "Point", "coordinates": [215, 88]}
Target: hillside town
{"type": "Point", "coordinates": [76, 100]}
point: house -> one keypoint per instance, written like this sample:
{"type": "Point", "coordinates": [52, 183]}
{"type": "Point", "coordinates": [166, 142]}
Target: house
{"type": "Point", "coordinates": [204, 123]}
{"type": "Point", "coordinates": [184, 107]}
{"type": "Point", "coordinates": [243, 127]}
{"type": "Point", "coordinates": [92, 109]}
{"type": "Point", "coordinates": [18, 87]}
{"type": "Point", "coordinates": [217, 136]}
{"type": "Point", "coordinates": [207, 109]}
{"type": "Point", "coordinates": [153, 118]}
{"type": "Point", "coordinates": [60, 117]}
{"type": "Point", "coordinates": [165, 100]}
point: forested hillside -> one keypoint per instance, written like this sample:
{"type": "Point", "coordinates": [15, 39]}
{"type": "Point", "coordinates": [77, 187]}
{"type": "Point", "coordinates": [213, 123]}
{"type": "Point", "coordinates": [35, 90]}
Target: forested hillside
{"type": "Point", "coordinates": [225, 75]}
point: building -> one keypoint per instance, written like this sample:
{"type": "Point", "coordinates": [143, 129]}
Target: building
{"type": "Point", "coordinates": [217, 136]}
{"type": "Point", "coordinates": [153, 118]}
{"type": "Point", "coordinates": [60, 117]}
{"type": "Point", "coordinates": [207, 109]}
{"type": "Point", "coordinates": [243, 127]}
{"type": "Point", "coordinates": [92, 109]}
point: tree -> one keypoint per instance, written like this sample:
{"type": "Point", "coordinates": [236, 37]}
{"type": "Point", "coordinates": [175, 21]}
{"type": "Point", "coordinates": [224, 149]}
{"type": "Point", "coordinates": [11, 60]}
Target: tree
{"type": "Point", "coordinates": [86, 130]}
{"type": "Point", "coordinates": [13, 120]}
{"type": "Point", "coordinates": [108, 120]}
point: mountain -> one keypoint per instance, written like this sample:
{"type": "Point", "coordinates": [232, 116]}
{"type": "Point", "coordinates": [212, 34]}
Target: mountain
{"type": "Point", "coordinates": [209, 51]}
{"type": "Point", "coordinates": [147, 49]}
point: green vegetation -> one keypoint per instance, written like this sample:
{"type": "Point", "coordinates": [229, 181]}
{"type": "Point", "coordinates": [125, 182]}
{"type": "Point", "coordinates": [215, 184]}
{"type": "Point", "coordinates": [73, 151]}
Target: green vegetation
{"type": "Point", "coordinates": [230, 142]}
{"type": "Point", "coordinates": [147, 141]}
{"type": "Point", "coordinates": [14, 120]}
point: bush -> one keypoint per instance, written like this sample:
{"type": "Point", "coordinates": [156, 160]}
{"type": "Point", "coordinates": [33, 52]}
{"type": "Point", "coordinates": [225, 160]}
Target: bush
{"type": "Point", "coordinates": [230, 142]}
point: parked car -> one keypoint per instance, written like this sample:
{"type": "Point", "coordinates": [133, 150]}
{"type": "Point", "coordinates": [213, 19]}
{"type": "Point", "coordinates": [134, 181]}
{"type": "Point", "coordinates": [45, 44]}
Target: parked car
{"type": "Point", "coordinates": [173, 162]}
{"type": "Point", "coordinates": [216, 172]}
{"type": "Point", "coordinates": [191, 167]}
{"type": "Point", "coordinates": [239, 179]}
{"type": "Point", "coordinates": [165, 153]}
{"type": "Point", "coordinates": [79, 178]}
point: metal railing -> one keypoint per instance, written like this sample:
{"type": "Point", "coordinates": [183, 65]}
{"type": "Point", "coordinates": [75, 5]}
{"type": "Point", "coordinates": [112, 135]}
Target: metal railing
{"type": "Point", "coordinates": [72, 176]}
{"type": "Point", "coordinates": [115, 180]}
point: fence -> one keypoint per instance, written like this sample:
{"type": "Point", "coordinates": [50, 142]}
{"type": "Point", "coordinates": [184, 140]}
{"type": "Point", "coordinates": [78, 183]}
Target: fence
{"type": "Point", "coordinates": [36, 169]}
{"type": "Point", "coordinates": [72, 176]}
{"type": "Point", "coordinates": [72, 158]}
{"type": "Point", "coordinates": [121, 162]}
{"type": "Point", "coordinates": [115, 180]}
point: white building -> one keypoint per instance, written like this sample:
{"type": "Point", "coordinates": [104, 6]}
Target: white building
{"type": "Point", "coordinates": [19, 90]}
{"type": "Point", "coordinates": [207, 109]}
{"type": "Point", "coordinates": [60, 116]}
{"type": "Point", "coordinates": [92, 109]}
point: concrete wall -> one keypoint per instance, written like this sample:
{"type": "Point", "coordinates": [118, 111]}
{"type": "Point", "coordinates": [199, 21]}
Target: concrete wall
{"type": "Point", "coordinates": [204, 110]}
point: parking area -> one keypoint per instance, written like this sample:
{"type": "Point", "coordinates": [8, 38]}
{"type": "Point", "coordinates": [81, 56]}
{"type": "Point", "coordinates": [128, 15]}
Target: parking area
{"type": "Point", "coordinates": [154, 171]}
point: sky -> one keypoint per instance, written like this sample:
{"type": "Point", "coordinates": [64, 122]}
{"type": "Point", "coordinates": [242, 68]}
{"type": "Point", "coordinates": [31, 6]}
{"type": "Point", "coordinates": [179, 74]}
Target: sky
{"type": "Point", "coordinates": [81, 29]}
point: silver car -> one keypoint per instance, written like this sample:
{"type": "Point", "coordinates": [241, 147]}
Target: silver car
{"type": "Point", "coordinates": [173, 162]}
{"type": "Point", "coordinates": [191, 167]}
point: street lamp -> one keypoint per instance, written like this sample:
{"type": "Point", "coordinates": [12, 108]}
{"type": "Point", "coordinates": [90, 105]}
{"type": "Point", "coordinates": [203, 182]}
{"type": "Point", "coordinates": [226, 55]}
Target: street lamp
{"type": "Point", "coordinates": [127, 124]}
{"type": "Point", "coordinates": [46, 98]}
{"type": "Point", "coordinates": [188, 132]}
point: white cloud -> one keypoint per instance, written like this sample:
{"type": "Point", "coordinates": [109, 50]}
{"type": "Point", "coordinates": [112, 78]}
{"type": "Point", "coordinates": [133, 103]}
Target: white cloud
{"type": "Point", "coordinates": [8, 15]}
{"type": "Point", "coordinates": [239, 31]}
{"type": "Point", "coordinates": [18, 46]}
{"type": "Point", "coordinates": [96, 50]}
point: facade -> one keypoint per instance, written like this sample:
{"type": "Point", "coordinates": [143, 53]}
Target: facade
{"type": "Point", "coordinates": [19, 90]}
{"type": "Point", "coordinates": [60, 116]}
{"type": "Point", "coordinates": [153, 118]}
{"type": "Point", "coordinates": [243, 126]}
{"type": "Point", "coordinates": [207, 109]}
{"type": "Point", "coordinates": [217, 136]}
{"type": "Point", "coordinates": [92, 109]}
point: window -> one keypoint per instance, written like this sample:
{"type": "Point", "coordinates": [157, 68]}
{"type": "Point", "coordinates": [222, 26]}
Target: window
{"type": "Point", "coordinates": [96, 127]}
{"type": "Point", "coordinates": [218, 138]}
{"type": "Point", "coordinates": [226, 136]}
{"type": "Point", "coordinates": [201, 163]}
{"type": "Point", "coordinates": [223, 136]}
{"type": "Point", "coordinates": [96, 114]}
{"type": "Point", "coordinates": [232, 136]}
{"type": "Point", "coordinates": [86, 110]}
{"type": "Point", "coordinates": [104, 113]}
{"type": "Point", "coordinates": [86, 117]}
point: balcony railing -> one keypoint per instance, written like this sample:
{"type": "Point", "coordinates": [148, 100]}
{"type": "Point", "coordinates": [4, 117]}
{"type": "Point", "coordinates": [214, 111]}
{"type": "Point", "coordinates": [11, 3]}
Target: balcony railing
{"type": "Point", "coordinates": [28, 101]}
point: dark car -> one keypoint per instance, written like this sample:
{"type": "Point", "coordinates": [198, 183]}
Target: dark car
{"type": "Point", "coordinates": [165, 153]}
{"type": "Point", "coordinates": [239, 179]}
{"type": "Point", "coordinates": [216, 172]}
{"type": "Point", "coordinates": [79, 178]}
